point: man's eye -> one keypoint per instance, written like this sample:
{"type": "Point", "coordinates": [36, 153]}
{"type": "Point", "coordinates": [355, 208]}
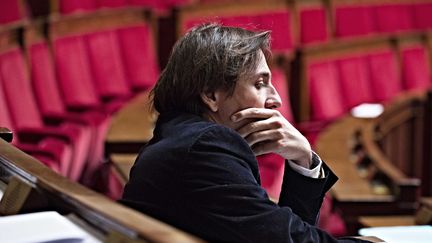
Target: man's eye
{"type": "Point", "coordinates": [260, 84]}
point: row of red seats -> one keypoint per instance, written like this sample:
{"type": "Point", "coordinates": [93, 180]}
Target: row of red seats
{"type": "Point", "coordinates": [15, 10]}
{"type": "Point", "coordinates": [75, 83]}
{"type": "Point", "coordinates": [338, 84]}
{"type": "Point", "coordinates": [314, 22]}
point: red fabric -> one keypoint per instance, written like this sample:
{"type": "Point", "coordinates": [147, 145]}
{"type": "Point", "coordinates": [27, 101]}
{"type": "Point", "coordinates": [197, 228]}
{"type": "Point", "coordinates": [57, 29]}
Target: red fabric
{"type": "Point", "coordinates": [73, 69]}
{"type": "Point", "coordinates": [422, 15]}
{"type": "Point", "coordinates": [280, 83]}
{"type": "Point", "coordinates": [139, 56]}
{"type": "Point", "coordinates": [72, 6]}
{"type": "Point", "coordinates": [111, 3]}
{"type": "Point", "coordinates": [324, 90]}
{"type": "Point", "coordinates": [57, 150]}
{"type": "Point", "coordinates": [416, 72]}
{"type": "Point", "coordinates": [385, 75]}
{"type": "Point", "coordinates": [394, 17]}
{"type": "Point", "coordinates": [105, 62]}
{"type": "Point", "coordinates": [353, 21]}
{"type": "Point", "coordinates": [276, 21]}
{"type": "Point", "coordinates": [51, 103]}
{"type": "Point", "coordinates": [355, 80]}
{"type": "Point", "coordinates": [25, 113]}
{"type": "Point", "coordinates": [44, 80]}
{"type": "Point", "coordinates": [15, 80]}
{"type": "Point", "coordinates": [10, 11]}
{"type": "Point", "coordinates": [313, 25]}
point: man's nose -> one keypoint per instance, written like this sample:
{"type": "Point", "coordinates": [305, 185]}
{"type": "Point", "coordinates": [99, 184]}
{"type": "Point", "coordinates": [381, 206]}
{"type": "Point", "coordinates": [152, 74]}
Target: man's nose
{"type": "Point", "coordinates": [273, 101]}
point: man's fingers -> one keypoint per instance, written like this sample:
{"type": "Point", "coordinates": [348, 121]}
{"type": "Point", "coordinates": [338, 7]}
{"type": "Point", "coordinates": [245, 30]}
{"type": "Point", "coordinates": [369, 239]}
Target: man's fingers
{"type": "Point", "coordinates": [267, 135]}
{"type": "Point", "coordinates": [256, 126]}
{"type": "Point", "coordinates": [253, 113]}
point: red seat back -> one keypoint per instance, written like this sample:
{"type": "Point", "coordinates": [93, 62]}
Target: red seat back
{"type": "Point", "coordinates": [324, 91]}
{"type": "Point", "coordinates": [139, 56]}
{"type": "Point", "coordinates": [313, 25]}
{"type": "Point", "coordinates": [73, 70]}
{"type": "Point", "coordinates": [68, 6]}
{"type": "Point", "coordinates": [354, 79]}
{"type": "Point", "coordinates": [106, 65]}
{"type": "Point", "coordinates": [415, 67]}
{"type": "Point", "coordinates": [394, 17]}
{"type": "Point", "coordinates": [10, 11]}
{"type": "Point", "coordinates": [111, 3]}
{"type": "Point", "coordinates": [356, 20]}
{"type": "Point", "coordinates": [422, 15]}
{"type": "Point", "coordinates": [44, 80]}
{"type": "Point", "coordinates": [280, 83]}
{"type": "Point", "coordinates": [278, 21]}
{"type": "Point", "coordinates": [16, 83]}
{"type": "Point", "coordinates": [385, 75]}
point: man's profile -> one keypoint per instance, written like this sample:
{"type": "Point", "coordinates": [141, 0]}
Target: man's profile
{"type": "Point", "coordinates": [217, 113]}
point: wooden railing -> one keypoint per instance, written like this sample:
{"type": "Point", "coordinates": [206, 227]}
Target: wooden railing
{"type": "Point", "coordinates": [383, 163]}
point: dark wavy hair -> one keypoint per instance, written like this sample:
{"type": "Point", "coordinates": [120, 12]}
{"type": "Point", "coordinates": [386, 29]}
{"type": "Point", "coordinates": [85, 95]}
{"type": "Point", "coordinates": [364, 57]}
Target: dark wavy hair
{"type": "Point", "coordinates": [208, 58]}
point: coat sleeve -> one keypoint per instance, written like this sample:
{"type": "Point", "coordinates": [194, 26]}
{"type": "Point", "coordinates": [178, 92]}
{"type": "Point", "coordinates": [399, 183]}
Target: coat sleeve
{"type": "Point", "coordinates": [222, 186]}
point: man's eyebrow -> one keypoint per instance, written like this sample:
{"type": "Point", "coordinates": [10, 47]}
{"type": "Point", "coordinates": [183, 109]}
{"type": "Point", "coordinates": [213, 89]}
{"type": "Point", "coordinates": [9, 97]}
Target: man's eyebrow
{"type": "Point", "coordinates": [264, 75]}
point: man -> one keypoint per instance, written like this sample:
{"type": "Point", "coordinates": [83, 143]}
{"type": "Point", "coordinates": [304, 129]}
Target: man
{"type": "Point", "coordinates": [217, 112]}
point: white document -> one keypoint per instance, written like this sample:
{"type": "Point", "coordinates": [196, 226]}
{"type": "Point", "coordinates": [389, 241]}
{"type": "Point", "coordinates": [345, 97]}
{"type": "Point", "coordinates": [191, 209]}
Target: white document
{"type": "Point", "coordinates": [41, 227]}
{"type": "Point", "coordinates": [401, 234]}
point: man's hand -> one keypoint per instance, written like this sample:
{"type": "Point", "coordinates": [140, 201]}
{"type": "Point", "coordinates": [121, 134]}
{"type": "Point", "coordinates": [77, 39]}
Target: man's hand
{"type": "Point", "coordinates": [270, 132]}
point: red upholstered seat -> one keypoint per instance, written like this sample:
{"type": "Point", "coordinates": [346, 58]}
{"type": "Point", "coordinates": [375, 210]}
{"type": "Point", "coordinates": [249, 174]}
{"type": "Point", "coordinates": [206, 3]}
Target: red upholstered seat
{"type": "Point", "coordinates": [25, 113]}
{"type": "Point", "coordinates": [75, 76]}
{"type": "Point", "coordinates": [354, 80]}
{"type": "Point", "coordinates": [353, 20]}
{"type": "Point", "coordinates": [68, 6]}
{"type": "Point", "coordinates": [394, 17]}
{"type": "Point", "coordinates": [139, 56]}
{"type": "Point", "coordinates": [313, 24]}
{"type": "Point", "coordinates": [325, 92]}
{"type": "Point", "coordinates": [106, 65]}
{"type": "Point", "coordinates": [416, 72]}
{"type": "Point", "coordinates": [51, 151]}
{"type": "Point", "coordinates": [51, 104]}
{"type": "Point", "coordinates": [384, 74]}
{"type": "Point", "coordinates": [422, 15]}
{"type": "Point", "coordinates": [10, 11]}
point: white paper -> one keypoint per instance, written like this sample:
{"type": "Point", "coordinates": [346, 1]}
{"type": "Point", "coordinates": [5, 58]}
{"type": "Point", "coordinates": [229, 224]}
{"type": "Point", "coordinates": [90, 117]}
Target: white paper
{"type": "Point", "coordinates": [367, 110]}
{"type": "Point", "coordinates": [400, 234]}
{"type": "Point", "coordinates": [41, 227]}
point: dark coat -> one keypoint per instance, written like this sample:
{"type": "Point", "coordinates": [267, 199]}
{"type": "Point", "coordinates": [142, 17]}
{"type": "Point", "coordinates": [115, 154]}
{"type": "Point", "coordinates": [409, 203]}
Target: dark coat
{"type": "Point", "coordinates": [203, 178]}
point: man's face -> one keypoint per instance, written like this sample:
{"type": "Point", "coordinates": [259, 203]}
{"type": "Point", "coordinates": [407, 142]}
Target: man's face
{"type": "Point", "coordinates": [255, 91]}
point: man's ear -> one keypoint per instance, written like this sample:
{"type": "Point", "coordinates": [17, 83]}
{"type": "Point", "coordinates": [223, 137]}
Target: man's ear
{"type": "Point", "coordinates": [210, 100]}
